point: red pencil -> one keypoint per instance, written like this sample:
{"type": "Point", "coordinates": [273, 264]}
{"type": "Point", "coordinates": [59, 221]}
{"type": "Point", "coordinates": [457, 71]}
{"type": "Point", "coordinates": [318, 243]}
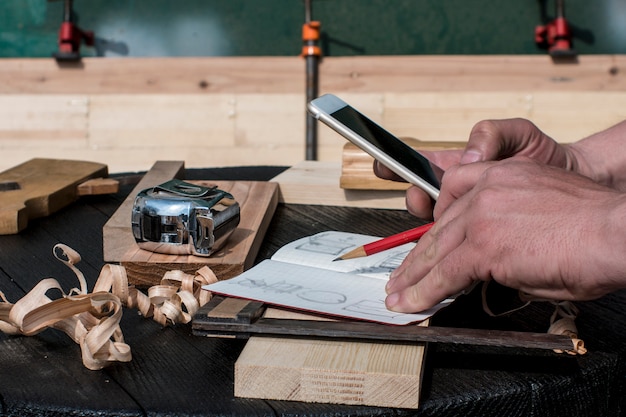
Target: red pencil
{"type": "Point", "coordinates": [387, 242]}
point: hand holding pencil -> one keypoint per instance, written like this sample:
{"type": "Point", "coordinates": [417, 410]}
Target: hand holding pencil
{"type": "Point", "coordinates": [387, 242]}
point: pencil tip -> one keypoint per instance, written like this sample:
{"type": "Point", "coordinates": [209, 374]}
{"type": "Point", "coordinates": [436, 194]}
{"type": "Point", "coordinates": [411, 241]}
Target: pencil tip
{"type": "Point", "coordinates": [355, 253]}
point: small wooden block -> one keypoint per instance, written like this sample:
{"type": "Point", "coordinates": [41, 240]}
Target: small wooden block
{"type": "Point", "coordinates": [323, 371]}
{"type": "Point", "coordinates": [232, 310]}
{"type": "Point", "coordinates": [40, 187]}
{"type": "Point", "coordinates": [357, 166]}
{"type": "Point", "coordinates": [98, 186]}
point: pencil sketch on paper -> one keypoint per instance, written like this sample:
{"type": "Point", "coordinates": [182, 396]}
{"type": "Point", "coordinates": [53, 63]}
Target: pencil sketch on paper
{"type": "Point", "coordinates": [326, 246]}
{"type": "Point", "coordinates": [283, 287]}
{"type": "Point", "coordinates": [327, 243]}
{"type": "Point", "coordinates": [367, 307]}
{"type": "Point", "coordinates": [385, 265]}
{"type": "Point", "coordinates": [302, 275]}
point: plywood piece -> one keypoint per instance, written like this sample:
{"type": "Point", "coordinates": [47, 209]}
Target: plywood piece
{"type": "Point", "coordinates": [40, 187]}
{"type": "Point", "coordinates": [325, 371]}
{"type": "Point", "coordinates": [317, 183]}
{"type": "Point", "coordinates": [357, 166]}
{"type": "Point", "coordinates": [257, 200]}
{"type": "Point", "coordinates": [117, 236]}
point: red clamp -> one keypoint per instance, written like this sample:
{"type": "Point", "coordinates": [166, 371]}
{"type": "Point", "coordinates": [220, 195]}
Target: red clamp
{"type": "Point", "coordinates": [310, 39]}
{"type": "Point", "coordinates": [556, 36]}
{"type": "Point", "coordinates": [70, 38]}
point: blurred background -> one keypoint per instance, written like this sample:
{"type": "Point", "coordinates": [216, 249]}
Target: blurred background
{"type": "Point", "coordinates": [138, 28]}
{"type": "Point", "coordinates": [222, 82]}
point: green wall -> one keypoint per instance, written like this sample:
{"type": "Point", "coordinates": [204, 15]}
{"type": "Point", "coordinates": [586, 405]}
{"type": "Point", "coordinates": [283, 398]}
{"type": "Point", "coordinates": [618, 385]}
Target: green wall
{"type": "Point", "coordinates": [28, 28]}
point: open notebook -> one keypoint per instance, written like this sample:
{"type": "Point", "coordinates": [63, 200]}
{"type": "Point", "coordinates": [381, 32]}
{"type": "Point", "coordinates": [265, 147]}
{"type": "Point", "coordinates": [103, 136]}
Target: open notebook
{"type": "Point", "coordinates": [302, 275]}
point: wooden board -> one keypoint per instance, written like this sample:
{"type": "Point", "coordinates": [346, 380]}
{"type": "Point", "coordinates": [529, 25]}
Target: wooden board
{"type": "Point", "coordinates": [272, 75]}
{"type": "Point", "coordinates": [317, 183]}
{"type": "Point", "coordinates": [357, 172]}
{"type": "Point", "coordinates": [257, 200]}
{"type": "Point", "coordinates": [125, 112]}
{"type": "Point", "coordinates": [358, 373]}
{"type": "Point", "coordinates": [39, 187]}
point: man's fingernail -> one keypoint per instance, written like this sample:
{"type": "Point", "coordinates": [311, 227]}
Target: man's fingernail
{"type": "Point", "coordinates": [392, 300]}
{"type": "Point", "coordinates": [470, 156]}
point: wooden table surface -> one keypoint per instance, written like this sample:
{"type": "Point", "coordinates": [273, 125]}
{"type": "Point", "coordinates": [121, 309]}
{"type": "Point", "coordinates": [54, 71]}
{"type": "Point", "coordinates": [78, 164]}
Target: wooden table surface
{"type": "Point", "coordinates": [175, 373]}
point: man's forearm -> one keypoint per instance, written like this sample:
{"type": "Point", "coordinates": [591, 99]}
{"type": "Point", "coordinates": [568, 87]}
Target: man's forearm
{"type": "Point", "coordinates": [602, 156]}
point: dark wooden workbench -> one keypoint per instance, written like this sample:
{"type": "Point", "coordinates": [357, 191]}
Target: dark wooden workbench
{"type": "Point", "coordinates": [175, 373]}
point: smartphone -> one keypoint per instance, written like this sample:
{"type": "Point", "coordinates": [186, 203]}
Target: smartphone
{"type": "Point", "coordinates": [379, 143]}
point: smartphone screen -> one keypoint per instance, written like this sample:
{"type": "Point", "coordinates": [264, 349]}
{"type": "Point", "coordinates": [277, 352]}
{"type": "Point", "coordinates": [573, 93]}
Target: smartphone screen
{"type": "Point", "coordinates": [387, 143]}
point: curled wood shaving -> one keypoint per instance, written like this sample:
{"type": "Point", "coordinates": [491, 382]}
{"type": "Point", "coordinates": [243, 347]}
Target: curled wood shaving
{"type": "Point", "coordinates": [563, 322]}
{"type": "Point", "coordinates": [92, 319]}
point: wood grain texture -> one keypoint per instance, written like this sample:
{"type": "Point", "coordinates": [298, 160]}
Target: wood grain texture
{"type": "Point", "coordinates": [357, 171]}
{"type": "Point", "coordinates": [257, 201]}
{"type": "Point", "coordinates": [98, 186]}
{"type": "Point", "coordinates": [40, 187]}
{"type": "Point", "coordinates": [229, 111]}
{"type": "Point", "coordinates": [317, 183]}
{"type": "Point", "coordinates": [117, 234]}
{"type": "Point", "coordinates": [323, 371]}
{"type": "Point", "coordinates": [176, 373]}
{"type": "Point", "coordinates": [356, 74]}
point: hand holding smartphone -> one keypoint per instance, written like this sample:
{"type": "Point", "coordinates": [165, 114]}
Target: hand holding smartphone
{"type": "Point", "coordinates": [377, 142]}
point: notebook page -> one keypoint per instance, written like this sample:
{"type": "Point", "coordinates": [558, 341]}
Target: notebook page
{"type": "Point", "coordinates": [314, 290]}
{"type": "Point", "coordinates": [321, 249]}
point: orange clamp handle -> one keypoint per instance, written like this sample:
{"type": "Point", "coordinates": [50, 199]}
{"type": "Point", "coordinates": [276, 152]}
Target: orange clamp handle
{"type": "Point", "coordinates": [311, 31]}
{"type": "Point", "coordinates": [310, 36]}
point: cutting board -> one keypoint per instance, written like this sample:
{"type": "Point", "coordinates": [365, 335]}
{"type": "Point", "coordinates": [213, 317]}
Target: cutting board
{"type": "Point", "coordinates": [40, 187]}
{"type": "Point", "coordinates": [257, 201]}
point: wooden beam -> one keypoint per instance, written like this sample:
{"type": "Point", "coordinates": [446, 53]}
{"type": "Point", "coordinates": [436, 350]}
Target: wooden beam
{"type": "Point", "coordinates": [257, 75]}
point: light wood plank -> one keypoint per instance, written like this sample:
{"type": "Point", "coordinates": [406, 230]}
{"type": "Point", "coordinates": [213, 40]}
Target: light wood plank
{"type": "Point", "coordinates": [357, 171]}
{"type": "Point", "coordinates": [127, 121]}
{"type": "Point", "coordinates": [326, 371]}
{"type": "Point", "coordinates": [127, 113]}
{"type": "Point", "coordinates": [58, 119]}
{"type": "Point", "coordinates": [177, 75]}
{"type": "Point", "coordinates": [317, 183]}
{"type": "Point", "coordinates": [381, 375]}
{"type": "Point", "coordinates": [171, 75]}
